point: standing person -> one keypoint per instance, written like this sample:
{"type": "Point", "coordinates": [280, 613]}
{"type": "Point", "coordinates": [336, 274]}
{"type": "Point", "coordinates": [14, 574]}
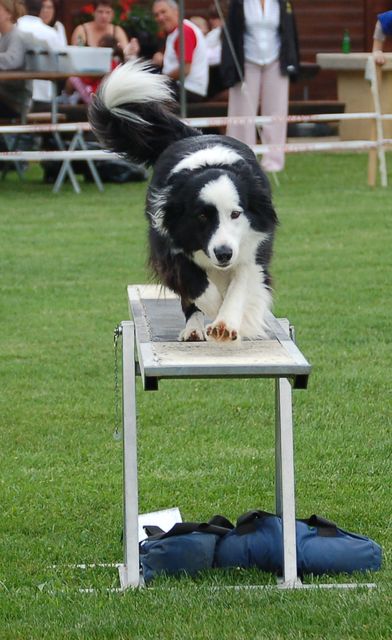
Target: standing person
{"type": "Point", "coordinates": [48, 16]}
{"type": "Point", "coordinates": [14, 94]}
{"type": "Point", "coordinates": [89, 34]}
{"type": "Point", "coordinates": [166, 15]}
{"type": "Point", "coordinates": [382, 29]}
{"type": "Point", "coordinates": [264, 36]}
{"type": "Point", "coordinates": [32, 24]}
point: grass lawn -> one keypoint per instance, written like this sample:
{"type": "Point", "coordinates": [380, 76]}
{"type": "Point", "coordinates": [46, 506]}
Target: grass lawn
{"type": "Point", "coordinates": [204, 446]}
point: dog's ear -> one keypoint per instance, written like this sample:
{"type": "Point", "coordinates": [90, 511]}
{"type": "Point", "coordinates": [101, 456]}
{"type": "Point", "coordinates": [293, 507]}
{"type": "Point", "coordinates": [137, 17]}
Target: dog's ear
{"type": "Point", "coordinates": [177, 180]}
{"type": "Point", "coordinates": [177, 196]}
{"type": "Point", "coordinates": [174, 207]}
{"type": "Point", "coordinates": [260, 203]}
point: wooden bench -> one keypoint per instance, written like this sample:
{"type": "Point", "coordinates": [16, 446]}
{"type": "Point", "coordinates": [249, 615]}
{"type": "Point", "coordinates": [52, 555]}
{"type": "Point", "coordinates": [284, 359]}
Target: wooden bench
{"type": "Point", "coordinates": [74, 112]}
{"type": "Point", "coordinates": [312, 107]}
{"type": "Point", "coordinates": [43, 117]}
{"type": "Point", "coordinates": [217, 108]}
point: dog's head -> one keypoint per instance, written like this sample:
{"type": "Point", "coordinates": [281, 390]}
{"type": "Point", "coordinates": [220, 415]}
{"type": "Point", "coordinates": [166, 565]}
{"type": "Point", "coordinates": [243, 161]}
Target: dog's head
{"type": "Point", "coordinates": [214, 214]}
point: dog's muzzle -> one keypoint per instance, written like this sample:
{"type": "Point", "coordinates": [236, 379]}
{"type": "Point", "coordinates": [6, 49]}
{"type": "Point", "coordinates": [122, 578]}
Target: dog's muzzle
{"type": "Point", "coordinates": [223, 254]}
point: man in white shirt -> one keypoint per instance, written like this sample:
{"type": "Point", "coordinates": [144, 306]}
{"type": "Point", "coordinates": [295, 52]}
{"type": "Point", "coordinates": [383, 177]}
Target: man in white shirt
{"type": "Point", "coordinates": [32, 24]}
{"type": "Point", "coordinates": [166, 15]}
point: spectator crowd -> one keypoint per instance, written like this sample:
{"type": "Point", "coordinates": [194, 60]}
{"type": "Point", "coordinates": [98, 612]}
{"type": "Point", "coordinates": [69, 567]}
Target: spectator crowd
{"type": "Point", "coordinates": [251, 56]}
{"type": "Point", "coordinates": [24, 23]}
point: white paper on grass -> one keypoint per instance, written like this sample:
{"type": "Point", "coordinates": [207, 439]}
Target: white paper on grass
{"type": "Point", "coordinates": [165, 519]}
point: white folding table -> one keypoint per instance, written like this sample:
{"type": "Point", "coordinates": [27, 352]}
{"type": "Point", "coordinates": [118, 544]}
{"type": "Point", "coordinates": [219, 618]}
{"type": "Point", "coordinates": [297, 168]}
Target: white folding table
{"type": "Point", "coordinates": [152, 350]}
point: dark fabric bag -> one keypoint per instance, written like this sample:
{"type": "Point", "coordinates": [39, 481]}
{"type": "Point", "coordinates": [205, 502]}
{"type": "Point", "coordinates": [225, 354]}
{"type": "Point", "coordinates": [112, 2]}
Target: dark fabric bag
{"type": "Point", "coordinates": [189, 547]}
{"type": "Point", "coordinates": [322, 547]}
{"type": "Point", "coordinates": [256, 541]}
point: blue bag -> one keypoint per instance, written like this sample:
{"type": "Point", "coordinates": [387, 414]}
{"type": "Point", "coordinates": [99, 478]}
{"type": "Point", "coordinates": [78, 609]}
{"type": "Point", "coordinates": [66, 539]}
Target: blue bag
{"type": "Point", "coordinates": [189, 547]}
{"type": "Point", "coordinates": [322, 547]}
{"type": "Point", "coordinates": [256, 541]}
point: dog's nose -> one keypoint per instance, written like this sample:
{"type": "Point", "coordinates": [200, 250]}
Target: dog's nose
{"type": "Point", "coordinates": [223, 254]}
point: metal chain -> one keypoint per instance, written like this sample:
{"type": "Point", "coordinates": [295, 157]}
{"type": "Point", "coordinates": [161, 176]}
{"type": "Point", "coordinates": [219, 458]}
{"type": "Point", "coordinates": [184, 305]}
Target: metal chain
{"type": "Point", "coordinates": [117, 417]}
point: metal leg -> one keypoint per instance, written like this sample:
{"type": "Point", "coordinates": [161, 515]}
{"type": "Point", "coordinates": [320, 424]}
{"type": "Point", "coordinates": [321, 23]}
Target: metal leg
{"type": "Point", "coordinates": [129, 571]}
{"type": "Point", "coordinates": [54, 109]}
{"type": "Point", "coordinates": [90, 163]}
{"type": "Point", "coordinates": [66, 167]}
{"type": "Point", "coordinates": [284, 474]}
{"type": "Point", "coordinates": [12, 145]}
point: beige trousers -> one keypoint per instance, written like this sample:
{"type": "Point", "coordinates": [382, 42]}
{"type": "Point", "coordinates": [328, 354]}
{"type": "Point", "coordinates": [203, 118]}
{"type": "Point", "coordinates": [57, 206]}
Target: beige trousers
{"type": "Point", "coordinates": [264, 86]}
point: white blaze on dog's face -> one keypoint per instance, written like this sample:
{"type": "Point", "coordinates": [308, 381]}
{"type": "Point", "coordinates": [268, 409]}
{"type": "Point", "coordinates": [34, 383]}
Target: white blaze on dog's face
{"type": "Point", "coordinates": [224, 246]}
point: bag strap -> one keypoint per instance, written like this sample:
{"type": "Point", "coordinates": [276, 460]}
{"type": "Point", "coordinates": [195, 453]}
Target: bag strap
{"type": "Point", "coordinates": [221, 521]}
{"type": "Point", "coordinates": [218, 525]}
{"type": "Point", "coordinates": [246, 522]}
{"type": "Point", "coordinates": [326, 528]}
{"type": "Point", "coordinates": [152, 530]}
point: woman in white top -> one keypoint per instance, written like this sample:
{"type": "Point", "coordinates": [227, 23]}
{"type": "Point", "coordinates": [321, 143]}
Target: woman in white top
{"type": "Point", "coordinates": [265, 41]}
{"type": "Point", "coordinates": [33, 25]}
{"type": "Point", "coordinates": [48, 16]}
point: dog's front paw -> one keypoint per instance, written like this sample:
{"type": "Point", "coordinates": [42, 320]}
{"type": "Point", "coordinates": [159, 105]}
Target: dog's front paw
{"type": "Point", "coordinates": [192, 335]}
{"type": "Point", "coordinates": [194, 330]}
{"type": "Point", "coordinates": [220, 332]}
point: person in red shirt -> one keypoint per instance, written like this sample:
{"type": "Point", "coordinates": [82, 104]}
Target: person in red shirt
{"type": "Point", "coordinates": [166, 15]}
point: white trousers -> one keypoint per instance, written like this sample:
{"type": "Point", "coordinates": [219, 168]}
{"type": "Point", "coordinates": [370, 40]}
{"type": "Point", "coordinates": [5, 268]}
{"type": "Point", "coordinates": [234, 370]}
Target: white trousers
{"type": "Point", "coordinates": [264, 86]}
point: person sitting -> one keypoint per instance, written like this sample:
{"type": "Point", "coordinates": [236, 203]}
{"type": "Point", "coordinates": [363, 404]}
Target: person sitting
{"type": "Point", "coordinates": [15, 95]}
{"type": "Point", "coordinates": [89, 34]}
{"type": "Point", "coordinates": [382, 29]}
{"type": "Point", "coordinates": [48, 16]}
{"type": "Point", "coordinates": [165, 13]}
{"type": "Point", "coordinates": [33, 25]}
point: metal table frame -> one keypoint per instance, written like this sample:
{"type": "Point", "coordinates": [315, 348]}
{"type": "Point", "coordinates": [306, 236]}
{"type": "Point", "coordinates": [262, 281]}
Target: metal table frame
{"type": "Point", "coordinates": [10, 134]}
{"type": "Point", "coordinates": [157, 357]}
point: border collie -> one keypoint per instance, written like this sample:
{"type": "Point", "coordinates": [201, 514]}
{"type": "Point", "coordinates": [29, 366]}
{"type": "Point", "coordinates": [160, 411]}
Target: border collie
{"type": "Point", "coordinates": [211, 220]}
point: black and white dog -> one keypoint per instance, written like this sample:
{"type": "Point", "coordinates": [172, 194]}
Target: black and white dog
{"type": "Point", "coordinates": [208, 206]}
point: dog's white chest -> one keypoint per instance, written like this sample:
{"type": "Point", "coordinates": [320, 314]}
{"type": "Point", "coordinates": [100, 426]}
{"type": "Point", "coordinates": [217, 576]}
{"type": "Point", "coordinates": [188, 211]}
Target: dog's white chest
{"type": "Point", "coordinates": [221, 279]}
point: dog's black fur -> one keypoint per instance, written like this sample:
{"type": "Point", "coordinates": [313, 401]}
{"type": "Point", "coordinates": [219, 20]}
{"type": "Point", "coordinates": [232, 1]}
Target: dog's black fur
{"type": "Point", "coordinates": [211, 220]}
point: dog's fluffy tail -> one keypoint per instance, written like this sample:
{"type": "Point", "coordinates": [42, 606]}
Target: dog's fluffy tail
{"type": "Point", "coordinates": [131, 113]}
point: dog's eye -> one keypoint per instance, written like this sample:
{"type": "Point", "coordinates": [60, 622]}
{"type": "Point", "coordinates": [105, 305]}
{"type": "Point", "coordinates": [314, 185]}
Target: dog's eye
{"type": "Point", "coordinates": [235, 214]}
{"type": "Point", "coordinates": [202, 217]}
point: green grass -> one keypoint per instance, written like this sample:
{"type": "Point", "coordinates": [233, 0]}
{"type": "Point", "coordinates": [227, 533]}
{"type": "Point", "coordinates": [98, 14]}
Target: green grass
{"type": "Point", "coordinates": [205, 446]}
